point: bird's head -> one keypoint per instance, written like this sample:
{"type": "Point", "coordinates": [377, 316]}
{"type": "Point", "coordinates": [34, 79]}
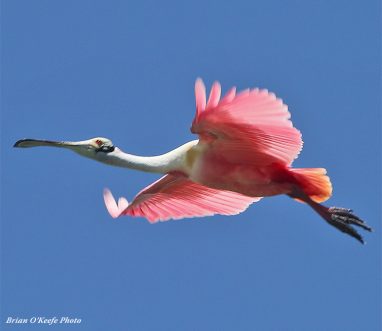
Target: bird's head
{"type": "Point", "coordinates": [95, 148]}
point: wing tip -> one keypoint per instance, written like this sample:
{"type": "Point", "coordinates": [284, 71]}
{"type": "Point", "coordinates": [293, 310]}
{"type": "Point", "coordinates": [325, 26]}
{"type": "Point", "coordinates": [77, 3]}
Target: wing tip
{"type": "Point", "coordinates": [115, 209]}
{"type": "Point", "coordinates": [214, 96]}
{"type": "Point", "coordinates": [200, 95]}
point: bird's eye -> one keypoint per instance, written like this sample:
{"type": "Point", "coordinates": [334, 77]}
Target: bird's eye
{"type": "Point", "coordinates": [105, 149]}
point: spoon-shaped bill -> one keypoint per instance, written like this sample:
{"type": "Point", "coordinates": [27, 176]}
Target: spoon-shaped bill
{"type": "Point", "coordinates": [24, 143]}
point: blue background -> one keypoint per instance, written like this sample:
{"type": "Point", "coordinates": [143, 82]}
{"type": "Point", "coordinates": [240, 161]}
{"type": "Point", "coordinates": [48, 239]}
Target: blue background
{"type": "Point", "coordinates": [72, 70]}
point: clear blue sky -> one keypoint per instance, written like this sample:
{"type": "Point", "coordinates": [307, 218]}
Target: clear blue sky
{"type": "Point", "coordinates": [125, 70]}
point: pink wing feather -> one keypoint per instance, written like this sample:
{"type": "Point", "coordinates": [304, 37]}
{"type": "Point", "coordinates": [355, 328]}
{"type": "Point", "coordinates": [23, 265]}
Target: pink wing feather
{"type": "Point", "coordinates": [174, 197]}
{"type": "Point", "coordinates": [251, 127]}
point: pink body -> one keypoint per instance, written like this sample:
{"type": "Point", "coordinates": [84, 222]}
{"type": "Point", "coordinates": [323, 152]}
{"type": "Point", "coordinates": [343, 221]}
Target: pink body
{"type": "Point", "coordinates": [249, 180]}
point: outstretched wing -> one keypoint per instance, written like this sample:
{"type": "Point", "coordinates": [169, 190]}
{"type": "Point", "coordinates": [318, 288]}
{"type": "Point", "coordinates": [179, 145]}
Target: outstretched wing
{"type": "Point", "coordinates": [174, 197]}
{"type": "Point", "coordinates": [251, 127]}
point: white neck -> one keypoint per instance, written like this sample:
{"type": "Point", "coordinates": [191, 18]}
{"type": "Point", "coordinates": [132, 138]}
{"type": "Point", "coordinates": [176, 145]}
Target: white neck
{"type": "Point", "coordinates": [171, 161]}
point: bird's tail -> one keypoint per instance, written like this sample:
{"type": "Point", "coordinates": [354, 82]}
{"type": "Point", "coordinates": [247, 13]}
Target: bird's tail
{"type": "Point", "coordinates": [314, 182]}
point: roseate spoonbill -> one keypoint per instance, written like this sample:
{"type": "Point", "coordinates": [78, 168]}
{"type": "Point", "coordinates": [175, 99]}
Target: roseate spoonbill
{"type": "Point", "coordinates": [245, 149]}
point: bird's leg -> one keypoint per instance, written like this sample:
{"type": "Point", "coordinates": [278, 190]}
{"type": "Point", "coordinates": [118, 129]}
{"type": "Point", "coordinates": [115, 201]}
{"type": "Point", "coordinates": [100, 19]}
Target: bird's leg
{"type": "Point", "coordinates": [340, 218]}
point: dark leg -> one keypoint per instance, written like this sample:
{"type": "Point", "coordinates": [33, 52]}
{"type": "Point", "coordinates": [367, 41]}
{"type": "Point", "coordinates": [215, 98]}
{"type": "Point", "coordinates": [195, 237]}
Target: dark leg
{"type": "Point", "coordinates": [340, 218]}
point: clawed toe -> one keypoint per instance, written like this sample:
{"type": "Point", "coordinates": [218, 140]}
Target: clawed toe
{"type": "Point", "coordinates": [346, 215]}
{"type": "Point", "coordinates": [343, 219]}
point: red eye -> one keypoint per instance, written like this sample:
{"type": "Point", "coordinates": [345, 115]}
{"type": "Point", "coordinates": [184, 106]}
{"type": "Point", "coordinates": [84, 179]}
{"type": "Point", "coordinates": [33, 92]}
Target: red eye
{"type": "Point", "coordinates": [99, 142]}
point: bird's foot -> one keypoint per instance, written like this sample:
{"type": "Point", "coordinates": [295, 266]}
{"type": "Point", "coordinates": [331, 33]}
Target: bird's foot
{"type": "Point", "coordinates": [343, 219]}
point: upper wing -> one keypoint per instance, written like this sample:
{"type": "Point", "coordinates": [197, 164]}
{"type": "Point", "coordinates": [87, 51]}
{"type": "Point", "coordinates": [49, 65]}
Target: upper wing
{"type": "Point", "coordinates": [250, 127]}
{"type": "Point", "coordinates": [174, 197]}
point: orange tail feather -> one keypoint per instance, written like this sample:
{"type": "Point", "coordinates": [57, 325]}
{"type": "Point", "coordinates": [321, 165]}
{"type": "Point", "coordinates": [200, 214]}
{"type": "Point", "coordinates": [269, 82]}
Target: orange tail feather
{"type": "Point", "coordinates": [314, 182]}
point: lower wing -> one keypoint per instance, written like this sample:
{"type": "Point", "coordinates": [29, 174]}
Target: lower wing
{"type": "Point", "coordinates": [175, 197]}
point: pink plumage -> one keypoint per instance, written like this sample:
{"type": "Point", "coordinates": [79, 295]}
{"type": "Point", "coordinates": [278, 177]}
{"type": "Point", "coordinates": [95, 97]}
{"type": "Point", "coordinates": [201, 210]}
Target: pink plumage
{"type": "Point", "coordinates": [252, 126]}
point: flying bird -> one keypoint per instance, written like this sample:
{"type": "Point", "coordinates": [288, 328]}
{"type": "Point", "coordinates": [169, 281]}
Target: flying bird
{"type": "Point", "coordinates": [245, 149]}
